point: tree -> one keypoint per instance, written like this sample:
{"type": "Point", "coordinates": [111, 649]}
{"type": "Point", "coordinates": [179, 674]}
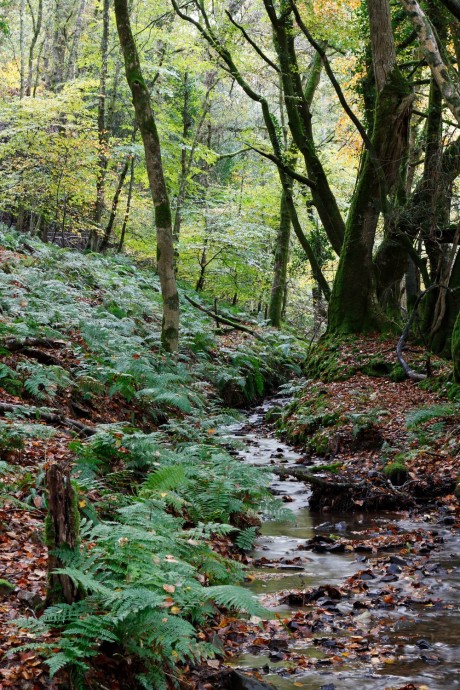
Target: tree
{"type": "Point", "coordinates": [148, 129]}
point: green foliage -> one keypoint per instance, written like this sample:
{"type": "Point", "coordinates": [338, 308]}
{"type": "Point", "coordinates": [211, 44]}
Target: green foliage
{"type": "Point", "coordinates": [140, 598]}
{"type": "Point", "coordinates": [246, 538]}
{"type": "Point", "coordinates": [43, 382]}
{"type": "Point", "coordinates": [9, 379]}
{"type": "Point", "coordinates": [416, 418]}
{"type": "Point", "coordinates": [164, 482]}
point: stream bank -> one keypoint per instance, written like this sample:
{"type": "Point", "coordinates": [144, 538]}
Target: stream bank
{"type": "Point", "coordinates": [359, 599]}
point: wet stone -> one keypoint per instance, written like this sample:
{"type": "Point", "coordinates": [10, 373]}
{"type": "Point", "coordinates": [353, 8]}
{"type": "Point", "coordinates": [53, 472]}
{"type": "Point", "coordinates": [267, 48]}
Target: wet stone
{"type": "Point", "coordinates": [389, 578]}
{"type": "Point", "coordinates": [394, 569]}
{"type": "Point", "coordinates": [397, 560]}
{"type": "Point", "coordinates": [423, 644]}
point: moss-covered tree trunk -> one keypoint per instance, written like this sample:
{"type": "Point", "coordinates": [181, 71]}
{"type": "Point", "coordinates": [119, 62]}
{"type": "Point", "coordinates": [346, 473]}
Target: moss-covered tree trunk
{"type": "Point", "coordinates": [354, 306]}
{"type": "Point", "coordinates": [456, 349]}
{"type": "Point", "coordinates": [280, 266]}
{"type": "Point", "coordinates": [62, 530]}
{"type": "Point", "coordinates": [147, 127]}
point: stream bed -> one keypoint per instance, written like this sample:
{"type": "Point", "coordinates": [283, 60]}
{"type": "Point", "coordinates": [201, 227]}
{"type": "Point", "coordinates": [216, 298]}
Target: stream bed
{"type": "Point", "coordinates": [422, 642]}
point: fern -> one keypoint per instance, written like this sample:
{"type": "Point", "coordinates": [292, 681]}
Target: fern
{"type": "Point", "coordinates": [237, 599]}
{"type": "Point", "coordinates": [245, 539]}
{"type": "Point", "coordinates": [166, 398]}
{"type": "Point", "coordinates": [164, 479]}
{"type": "Point", "coordinates": [44, 382]}
{"type": "Point", "coordinates": [416, 418]}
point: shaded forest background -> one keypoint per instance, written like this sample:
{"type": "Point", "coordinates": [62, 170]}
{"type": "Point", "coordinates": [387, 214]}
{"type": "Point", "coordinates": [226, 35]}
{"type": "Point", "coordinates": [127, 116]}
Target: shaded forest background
{"type": "Point", "coordinates": [333, 119]}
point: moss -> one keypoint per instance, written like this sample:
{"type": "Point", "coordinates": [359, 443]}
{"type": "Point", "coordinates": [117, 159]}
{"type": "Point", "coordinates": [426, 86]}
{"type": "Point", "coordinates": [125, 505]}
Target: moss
{"type": "Point", "coordinates": [376, 367]}
{"type": "Point", "coordinates": [168, 336]}
{"type": "Point", "coordinates": [457, 490]}
{"type": "Point", "coordinates": [325, 361]}
{"type": "Point", "coordinates": [331, 467]}
{"type": "Point", "coordinates": [396, 472]}
{"type": "Point", "coordinates": [163, 215]}
{"type": "Point", "coordinates": [50, 534]}
{"type": "Point", "coordinates": [273, 414]}
{"type": "Point", "coordinates": [318, 444]}
{"type": "Point", "coordinates": [397, 373]}
{"type": "Point", "coordinates": [6, 587]}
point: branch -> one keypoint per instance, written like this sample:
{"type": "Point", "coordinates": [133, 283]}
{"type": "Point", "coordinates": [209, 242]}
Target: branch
{"type": "Point", "coordinates": [304, 476]}
{"type": "Point", "coordinates": [337, 88]}
{"type": "Point", "coordinates": [252, 43]}
{"type": "Point", "coordinates": [446, 122]}
{"type": "Point", "coordinates": [50, 417]}
{"type": "Point", "coordinates": [14, 345]}
{"type": "Point", "coordinates": [221, 156]}
{"type": "Point", "coordinates": [343, 102]}
{"type": "Point", "coordinates": [222, 319]}
{"type": "Point", "coordinates": [449, 88]}
{"type": "Point", "coordinates": [285, 168]}
{"type": "Point", "coordinates": [453, 6]}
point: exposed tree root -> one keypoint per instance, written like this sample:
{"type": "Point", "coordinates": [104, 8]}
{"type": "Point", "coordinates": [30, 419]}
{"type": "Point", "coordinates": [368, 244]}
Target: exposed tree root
{"type": "Point", "coordinates": [29, 347]}
{"type": "Point", "coordinates": [51, 417]}
{"type": "Point", "coordinates": [343, 495]}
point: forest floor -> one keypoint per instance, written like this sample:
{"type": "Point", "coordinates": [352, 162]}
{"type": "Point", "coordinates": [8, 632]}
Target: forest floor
{"type": "Point", "coordinates": [365, 440]}
{"type": "Point", "coordinates": [341, 622]}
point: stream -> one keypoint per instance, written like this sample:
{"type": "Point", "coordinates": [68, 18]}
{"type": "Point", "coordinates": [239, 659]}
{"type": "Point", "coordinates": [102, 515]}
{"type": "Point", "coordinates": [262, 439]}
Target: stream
{"type": "Point", "coordinates": [408, 631]}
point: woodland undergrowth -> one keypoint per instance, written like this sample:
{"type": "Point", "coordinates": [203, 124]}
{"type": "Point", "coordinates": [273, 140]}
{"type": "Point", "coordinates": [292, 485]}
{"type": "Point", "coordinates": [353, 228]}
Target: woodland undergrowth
{"type": "Point", "coordinates": [85, 384]}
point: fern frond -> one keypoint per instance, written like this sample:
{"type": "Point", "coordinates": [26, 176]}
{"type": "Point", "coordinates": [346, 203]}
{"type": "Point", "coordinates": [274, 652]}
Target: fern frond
{"type": "Point", "coordinates": [417, 417]}
{"type": "Point", "coordinates": [237, 599]}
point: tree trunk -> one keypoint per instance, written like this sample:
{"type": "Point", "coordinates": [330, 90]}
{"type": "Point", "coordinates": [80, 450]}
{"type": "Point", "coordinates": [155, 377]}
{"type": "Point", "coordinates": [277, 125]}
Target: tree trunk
{"type": "Point", "coordinates": [186, 126]}
{"type": "Point", "coordinates": [22, 49]}
{"type": "Point", "coordinates": [449, 87]}
{"type": "Point", "coordinates": [278, 292]}
{"type": "Point", "coordinates": [128, 208]}
{"type": "Point", "coordinates": [36, 26]}
{"type": "Point", "coordinates": [102, 129]}
{"type": "Point", "coordinates": [300, 125]}
{"type": "Point", "coordinates": [63, 10]}
{"type": "Point", "coordinates": [456, 349]}
{"type": "Point", "coordinates": [62, 528]}
{"type": "Point", "coordinates": [354, 307]}
{"type": "Point", "coordinates": [73, 53]}
{"type": "Point", "coordinates": [116, 198]}
{"type": "Point", "coordinates": [147, 127]}
{"type": "Point", "coordinates": [280, 265]}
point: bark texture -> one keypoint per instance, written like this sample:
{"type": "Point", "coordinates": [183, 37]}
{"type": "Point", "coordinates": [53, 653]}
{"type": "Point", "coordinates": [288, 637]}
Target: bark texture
{"type": "Point", "coordinates": [62, 532]}
{"type": "Point", "coordinates": [449, 87]}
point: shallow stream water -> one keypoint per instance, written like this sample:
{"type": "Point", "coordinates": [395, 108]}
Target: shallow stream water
{"type": "Point", "coordinates": [280, 541]}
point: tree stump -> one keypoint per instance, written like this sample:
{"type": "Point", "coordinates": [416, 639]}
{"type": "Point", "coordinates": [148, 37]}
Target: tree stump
{"type": "Point", "coordinates": [62, 530]}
